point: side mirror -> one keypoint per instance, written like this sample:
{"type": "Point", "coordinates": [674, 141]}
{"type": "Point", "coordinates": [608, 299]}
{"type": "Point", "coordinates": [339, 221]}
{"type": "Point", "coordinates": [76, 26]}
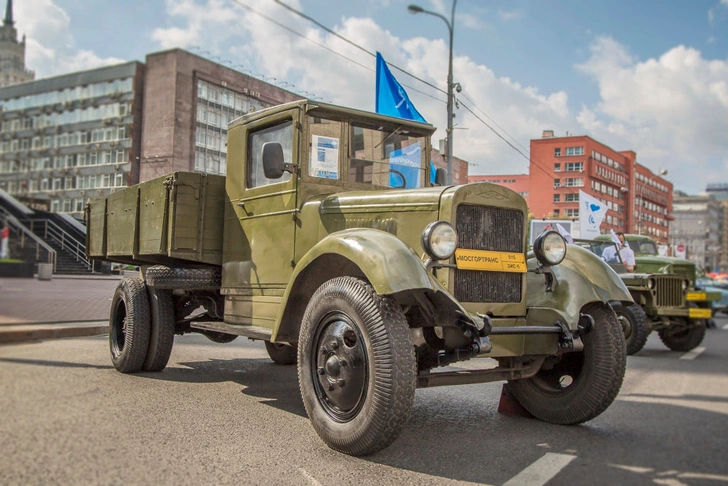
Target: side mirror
{"type": "Point", "coordinates": [273, 165]}
{"type": "Point", "coordinates": [440, 177]}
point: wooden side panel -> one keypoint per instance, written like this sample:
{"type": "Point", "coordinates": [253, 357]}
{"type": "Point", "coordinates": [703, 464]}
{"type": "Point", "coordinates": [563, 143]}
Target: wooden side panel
{"type": "Point", "coordinates": [122, 222]}
{"type": "Point", "coordinates": [153, 216]}
{"type": "Point", "coordinates": [96, 228]}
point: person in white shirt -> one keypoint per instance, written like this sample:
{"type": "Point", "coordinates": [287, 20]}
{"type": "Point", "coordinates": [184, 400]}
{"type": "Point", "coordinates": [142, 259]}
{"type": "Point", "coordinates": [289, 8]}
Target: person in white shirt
{"type": "Point", "coordinates": [625, 252]}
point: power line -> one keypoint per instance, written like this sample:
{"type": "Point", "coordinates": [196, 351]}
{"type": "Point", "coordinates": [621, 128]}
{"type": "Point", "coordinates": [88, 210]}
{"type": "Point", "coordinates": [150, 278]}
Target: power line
{"type": "Point", "coordinates": [332, 32]}
{"type": "Point", "coordinates": [285, 27]}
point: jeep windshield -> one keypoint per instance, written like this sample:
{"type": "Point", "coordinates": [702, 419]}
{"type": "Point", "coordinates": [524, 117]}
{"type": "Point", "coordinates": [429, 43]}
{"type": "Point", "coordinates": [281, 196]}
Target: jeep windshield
{"type": "Point", "coordinates": [378, 154]}
{"type": "Point", "coordinates": [643, 248]}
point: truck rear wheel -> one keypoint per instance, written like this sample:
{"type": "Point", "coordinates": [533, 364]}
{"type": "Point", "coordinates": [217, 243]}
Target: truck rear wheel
{"type": "Point", "coordinates": [636, 328]}
{"type": "Point", "coordinates": [684, 338]}
{"type": "Point", "coordinates": [129, 325]}
{"type": "Point", "coordinates": [356, 366]}
{"type": "Point", "coordinates": [581, 385]}
{"type": "Point", "coordinates": [161, 336]}
{"type": "Point", "coordinates": [282, 354]}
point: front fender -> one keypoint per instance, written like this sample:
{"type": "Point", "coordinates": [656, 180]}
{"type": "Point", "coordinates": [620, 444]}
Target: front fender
{"type": "Point", "coordinates": [581, 278]}
{"type": "Point", "coordinates": [385, 261]}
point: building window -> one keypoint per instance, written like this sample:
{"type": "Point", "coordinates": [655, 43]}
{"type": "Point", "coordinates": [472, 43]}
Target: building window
{"type": "Point", "coordinates": [557, 167]}
{"type": "Point", "coordinates": [575, 166]}
{"type": "Point", "coordinates": [571, 213]}
{"type": "Point", "coordinates": [571, 197]}
{"type": "Point", "coordinates": [557, 152]}
{"type": "Point", "coordinates": [574, 182]}
{"type": "Point", "coordinates": [557, 182]}
{"type": "Point", "coordinates": [557, 198]}
{"type": "Point", "coordinates": [574, 151]}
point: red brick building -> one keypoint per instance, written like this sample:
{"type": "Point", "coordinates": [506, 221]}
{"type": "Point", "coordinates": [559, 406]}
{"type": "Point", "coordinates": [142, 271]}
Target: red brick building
{"type": "Point", "coordinates": [520, 183]}
{"type": "Point", "coordinates": [639, 201]}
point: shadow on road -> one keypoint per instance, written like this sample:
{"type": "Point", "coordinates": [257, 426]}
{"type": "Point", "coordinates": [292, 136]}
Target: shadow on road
{"type": "Point", "coordinates": [54, 364]}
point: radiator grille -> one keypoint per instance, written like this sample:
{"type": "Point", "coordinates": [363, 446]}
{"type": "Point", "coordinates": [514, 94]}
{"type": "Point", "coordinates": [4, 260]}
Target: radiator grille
{"type": "Point", "coordinates": [494, 229]}
{"type": "Point", "coordinates": [669, 291]}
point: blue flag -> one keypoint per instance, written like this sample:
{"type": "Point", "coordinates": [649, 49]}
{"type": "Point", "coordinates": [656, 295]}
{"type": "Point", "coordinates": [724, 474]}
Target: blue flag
{"type": "Point", "coordinates": [392, 99]}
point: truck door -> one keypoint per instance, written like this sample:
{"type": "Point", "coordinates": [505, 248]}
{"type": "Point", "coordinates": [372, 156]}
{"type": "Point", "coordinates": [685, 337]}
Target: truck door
{"type": "Point", "coordinates": [261, 268]}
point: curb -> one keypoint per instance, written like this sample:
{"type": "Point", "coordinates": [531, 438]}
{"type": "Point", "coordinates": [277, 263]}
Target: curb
{"type": "Point", "coordinates": [35, 333]}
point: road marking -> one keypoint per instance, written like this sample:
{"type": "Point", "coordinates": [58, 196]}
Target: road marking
{"type": "Point", "coordinates": [725, 326]}
{"type": "Point", "coordinates": [693, 354]}
{"type": "Point", "coordinates": [541, 471]}
{"type": "Point", "coordinates": [310, 478]}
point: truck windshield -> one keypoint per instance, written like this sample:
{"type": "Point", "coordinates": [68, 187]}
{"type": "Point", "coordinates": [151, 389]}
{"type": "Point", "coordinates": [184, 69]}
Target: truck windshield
{"type": "Point", "coordinates": [386, 156]}
{"type": "Point", "coordinates": [644, 248]}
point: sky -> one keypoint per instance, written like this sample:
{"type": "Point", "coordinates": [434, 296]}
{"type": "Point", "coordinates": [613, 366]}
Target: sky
{"type": "Point", "coordinates": [648, 76]}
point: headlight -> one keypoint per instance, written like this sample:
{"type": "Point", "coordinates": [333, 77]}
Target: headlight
{"type": "Point", "coordinates": [651, 283]}
{"type": "Point", "coordinates": [440, 240]}
{"type": "Point", "coordinates": [685, 284]}
{"type": "Point", "coordinates": [550, 248]}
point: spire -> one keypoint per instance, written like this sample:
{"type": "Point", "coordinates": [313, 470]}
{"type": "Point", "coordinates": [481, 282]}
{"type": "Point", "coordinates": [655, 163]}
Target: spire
{"type": "Point", "coordinates": [8, 20]}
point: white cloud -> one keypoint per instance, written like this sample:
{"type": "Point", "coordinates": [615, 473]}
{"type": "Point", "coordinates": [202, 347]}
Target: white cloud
{"type": "Point", "coordinates": [522, 111]}
{"type": "Point", "coordinates": [508, 16]}
{"type": "Point", "coordinates": [672, 111]}
{"type": "Point", "coordinates": [50, 45]}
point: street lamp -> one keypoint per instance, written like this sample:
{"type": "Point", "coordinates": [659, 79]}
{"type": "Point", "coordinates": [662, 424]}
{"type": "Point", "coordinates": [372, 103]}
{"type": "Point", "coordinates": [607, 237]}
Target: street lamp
{"type": "Point", "coordinates": [415, 9]}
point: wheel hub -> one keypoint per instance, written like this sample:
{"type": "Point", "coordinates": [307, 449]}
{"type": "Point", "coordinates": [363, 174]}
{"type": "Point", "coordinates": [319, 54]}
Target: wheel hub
{"type": "Point", "coordinates": [341, 368]}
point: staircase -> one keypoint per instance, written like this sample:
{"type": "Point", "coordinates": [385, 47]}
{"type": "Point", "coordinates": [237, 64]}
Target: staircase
{"type": "Point", "coordinates": [41, 237]}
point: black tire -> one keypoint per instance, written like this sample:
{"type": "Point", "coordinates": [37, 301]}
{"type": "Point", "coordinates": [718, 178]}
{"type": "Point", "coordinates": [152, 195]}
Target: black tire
{"type": "Point", "coordinates": [196, 278]}
{"type": "Point", "coordinates": [356, 366]}
{"type": "Point", "coordinates": [580, 385]}
{"type": "Point", "coordinates": [637, 327]}
{"type": "Point", "coordinates": [683, 338]}
{"type": "Point", "coordinates": [219, 337]}
{"type": "Point", "coordinates": [282, 354]}
{"type": "Point", "coordinates": [129, 325]}
{"type": "Point", "coordinates": [161, 336]}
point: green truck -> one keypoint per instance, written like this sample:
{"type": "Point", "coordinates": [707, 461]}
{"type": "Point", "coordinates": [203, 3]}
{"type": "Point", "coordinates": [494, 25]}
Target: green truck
{"type": "Point", "coordinates": [666, 299]}
{"type": "Point", "coordinates": [328, 241]}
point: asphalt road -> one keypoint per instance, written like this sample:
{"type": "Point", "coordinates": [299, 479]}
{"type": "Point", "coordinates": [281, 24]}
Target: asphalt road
{"type": "Point", "coordinates": [225, 414]}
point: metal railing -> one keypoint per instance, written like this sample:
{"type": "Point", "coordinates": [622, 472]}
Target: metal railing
{"type": "Point", "coordinates": [68, 243]}
{"type": "Point", "coordinates": [24, 232]}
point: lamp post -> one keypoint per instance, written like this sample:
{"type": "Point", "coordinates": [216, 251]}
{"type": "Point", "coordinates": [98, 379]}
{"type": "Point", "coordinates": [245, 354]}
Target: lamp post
{"type": "Point", "coordinates": [415, 9]}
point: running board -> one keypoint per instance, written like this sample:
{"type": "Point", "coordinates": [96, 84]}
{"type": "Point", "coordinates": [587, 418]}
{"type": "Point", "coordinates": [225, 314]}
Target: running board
{"type": "Point", "coordinates": [252, 332]}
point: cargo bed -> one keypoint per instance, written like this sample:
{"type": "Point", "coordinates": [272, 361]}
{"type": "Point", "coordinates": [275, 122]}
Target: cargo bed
{"type": "Point", "coordinates": [174, 219]}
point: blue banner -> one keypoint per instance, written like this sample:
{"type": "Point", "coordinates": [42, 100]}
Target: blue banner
{"type": "Point", "coordinates": [405, 164]}
{"type": "Point", "coordinates": [391, 98]}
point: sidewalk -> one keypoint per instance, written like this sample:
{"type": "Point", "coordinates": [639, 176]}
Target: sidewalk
{"type": "Point", "coordinates": [66, 306]}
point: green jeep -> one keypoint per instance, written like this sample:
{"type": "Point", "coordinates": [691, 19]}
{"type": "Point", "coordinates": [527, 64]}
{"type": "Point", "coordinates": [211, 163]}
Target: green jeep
{"type": "Point", "coordinates": [328, 241]}
{"type": "Point", "coordinates": [663, 289]}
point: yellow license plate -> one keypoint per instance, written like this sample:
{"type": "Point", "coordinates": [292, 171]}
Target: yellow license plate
{"type": "Point", "coordinates": [493, 261]}
{"type": "Point", "coordinates": [696, 296]}
{"type": "Point", "coordinates": [700, 313]}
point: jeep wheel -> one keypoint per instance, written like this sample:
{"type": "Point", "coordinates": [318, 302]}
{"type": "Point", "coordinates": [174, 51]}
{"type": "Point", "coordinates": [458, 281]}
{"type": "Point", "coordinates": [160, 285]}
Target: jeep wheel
{"type": "Point", "coordinates": [635, 326]}
{"type": "Point", "coordinates": [356, 367]}
{"type": "Point", "coordinates": [161, 336]}
{"type": "Point", "coordinates": [579, 385]}
{"type": "Point", "coordinates": [282, 354]}
{"type": "Point", "coordinates": [129, 325]}
{"type": "Point", "coordinates": [684, 338]}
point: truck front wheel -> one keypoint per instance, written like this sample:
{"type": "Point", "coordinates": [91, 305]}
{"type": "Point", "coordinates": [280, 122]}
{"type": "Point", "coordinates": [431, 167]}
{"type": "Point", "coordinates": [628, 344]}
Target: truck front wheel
{"type": "Point", "coordinates": [129, 325]}
{"type": "Point", "coordinates": [636, 328]}
{"type": "Point", "coordinates": [580, 385]}
{"type": "Point", "coordinates": [356, 366]}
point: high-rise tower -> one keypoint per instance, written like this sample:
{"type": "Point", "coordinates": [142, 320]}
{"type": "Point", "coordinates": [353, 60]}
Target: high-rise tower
{"type": "Point", "coordinates": [12, 52]}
